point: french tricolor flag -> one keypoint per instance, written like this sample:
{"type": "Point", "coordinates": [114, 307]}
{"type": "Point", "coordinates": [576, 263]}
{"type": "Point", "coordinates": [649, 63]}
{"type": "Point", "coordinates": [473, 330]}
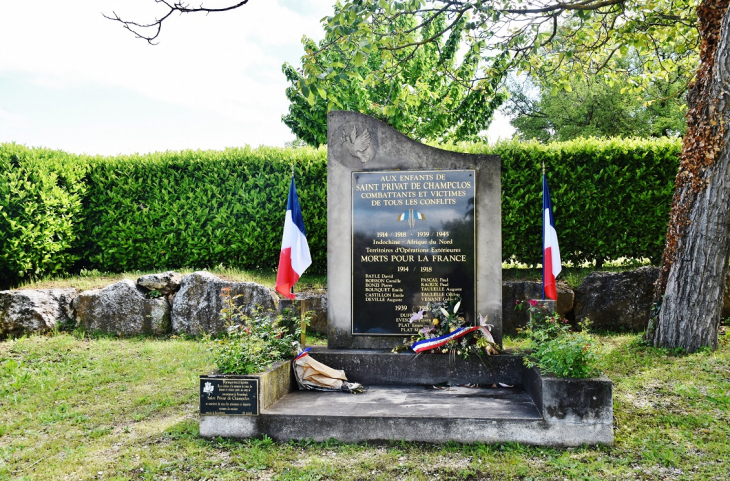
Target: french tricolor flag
{"type": "Point", "coordinates": [294, 258]}
{"type": "Point", "coordinates": [550, 251]}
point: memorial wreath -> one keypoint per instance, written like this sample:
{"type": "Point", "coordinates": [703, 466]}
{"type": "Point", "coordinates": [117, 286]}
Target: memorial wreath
{"type": "Point", "coordinates": [444, 330]}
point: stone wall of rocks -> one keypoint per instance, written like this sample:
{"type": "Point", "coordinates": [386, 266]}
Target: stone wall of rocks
{"type": "Point", "coordinates": [123, 308]}
{"type": "Point", "coordinates": [197, 306]}
{"type": "Point", "coordinates": [37, 310]}
{"type": "Point", "coordinates": [614, 301]}
{"type": "Point", "coordinates": [169, 303]}
{"type": "Point", "coordinates": [157, 304]}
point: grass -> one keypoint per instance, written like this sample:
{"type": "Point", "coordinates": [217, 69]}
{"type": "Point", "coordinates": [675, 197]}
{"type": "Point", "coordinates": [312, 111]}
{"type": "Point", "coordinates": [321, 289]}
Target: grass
{"type": "Point", "coordinates": [73, 407]}
{"type": "Point", "coordinates": [94, 279]}
{"type": "Point", "coordinates": [570, 274]}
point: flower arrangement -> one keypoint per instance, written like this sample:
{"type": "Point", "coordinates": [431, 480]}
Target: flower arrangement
{"type": "Point", "coordinates": [251, 344]}
{"type": "Point", "coordinates": [444, 330]}
{"type": "Point", "coordinates": [557, 348]}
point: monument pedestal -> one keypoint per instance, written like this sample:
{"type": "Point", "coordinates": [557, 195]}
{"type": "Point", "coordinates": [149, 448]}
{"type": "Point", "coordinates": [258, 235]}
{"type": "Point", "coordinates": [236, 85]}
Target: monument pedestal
{"type": "Point", "coordinates": [425, 398]}
{"type": "Point", "coordinates": [410, 227]}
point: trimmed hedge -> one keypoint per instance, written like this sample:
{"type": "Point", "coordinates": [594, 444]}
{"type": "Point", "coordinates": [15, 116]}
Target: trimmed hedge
{"type": "Point", "coordinates": [199, 209]}
{"type": "Point", "coordinates": [611, 197]}
{"type": "Point", "coordinates": [40, 211]}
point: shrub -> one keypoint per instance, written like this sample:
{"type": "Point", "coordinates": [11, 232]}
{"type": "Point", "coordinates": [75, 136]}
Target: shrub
{"type": "Point", "coordinates": [559, 350]}
{"type": "Point", "coordinates": [572, 354]}
{"type": "Point", "coordinates": [206, 208]}
{"type": "Point", "coordinates": [251, 344]}
{"type": "Point", "coordinates": [611, 198]}
{"type": "Point", "coordinates": [202, 209]}
{"type": "Point", "coordinates": [41, 194]}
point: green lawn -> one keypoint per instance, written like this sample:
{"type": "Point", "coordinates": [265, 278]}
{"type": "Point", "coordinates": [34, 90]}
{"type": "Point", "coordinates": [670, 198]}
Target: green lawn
{"type": "Point", "coordinates": [571, 275]}
{"type": "Point", "coordinates": [94, 279]}
{"type": "Point", "coordinates": [79, 408]}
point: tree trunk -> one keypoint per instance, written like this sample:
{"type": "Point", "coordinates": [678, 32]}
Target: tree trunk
{"type": "Point", "coordinates": [695, 260]}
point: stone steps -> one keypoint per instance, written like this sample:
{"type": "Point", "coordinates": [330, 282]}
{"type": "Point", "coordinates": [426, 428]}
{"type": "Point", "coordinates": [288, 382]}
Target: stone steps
{"type": "Point", "coordinates": [401, 402]}
{"type": "Point", "coordinates": [380, 366]}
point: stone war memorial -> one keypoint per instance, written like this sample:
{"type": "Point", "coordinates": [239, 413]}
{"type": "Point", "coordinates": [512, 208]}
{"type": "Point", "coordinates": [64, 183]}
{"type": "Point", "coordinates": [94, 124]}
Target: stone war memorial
{"type": "Point", "coordinates": [408, 226]}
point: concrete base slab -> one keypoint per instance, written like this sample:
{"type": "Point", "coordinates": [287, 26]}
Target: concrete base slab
{"type": "Point", "coordinates": [411, 402]}
{"type": "Point", "coordinates": [409, 413]}
{"type": "Point", "coordinates": [401, 403]}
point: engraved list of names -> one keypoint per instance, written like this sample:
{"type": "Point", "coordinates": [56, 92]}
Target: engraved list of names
{"type": "Point", "coordinates": [412, 243]}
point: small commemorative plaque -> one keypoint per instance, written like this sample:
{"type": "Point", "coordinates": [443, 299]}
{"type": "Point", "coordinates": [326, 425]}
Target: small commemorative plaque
{"type": "Point", "coordinates": [229, 396]}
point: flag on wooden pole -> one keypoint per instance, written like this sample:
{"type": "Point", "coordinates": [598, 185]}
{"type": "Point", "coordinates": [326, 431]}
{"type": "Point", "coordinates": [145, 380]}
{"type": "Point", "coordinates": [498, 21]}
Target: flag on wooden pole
{"type": "Point", "coordinates": [550, 251]}
{"type": "Point", "coordinates": [294, 258]}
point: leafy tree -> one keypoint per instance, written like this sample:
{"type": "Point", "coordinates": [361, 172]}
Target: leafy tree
{"type": "Point", "coordinates": [566, 40]}
{"type": "Point", "coordinates": [695, 261]}
{"type": "Point", "coordinates": [594, 108]}
{"type": "Point", "coordinates": [430, 97]}
{"type": "Point", "coordinates": [558, 40]}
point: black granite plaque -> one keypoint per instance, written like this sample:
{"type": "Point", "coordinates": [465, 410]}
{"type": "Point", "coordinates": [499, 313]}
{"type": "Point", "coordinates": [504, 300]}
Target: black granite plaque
{"type": "Point", "coordinates": [412, 243]}
{"type": "Point", "coordinates": [229, 396]}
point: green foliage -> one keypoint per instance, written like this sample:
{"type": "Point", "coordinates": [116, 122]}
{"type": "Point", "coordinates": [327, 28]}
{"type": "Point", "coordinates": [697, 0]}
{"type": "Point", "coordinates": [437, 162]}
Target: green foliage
{"type": "Point", "coordinates": [201, 209]}
{"type": "Point", "coordinates": [563, 41]}
{"type": "Point", "coordinates": [569, 355]}
{"type": "Point", "coordinates": [594, 108]}
{"type": "Point", "coordinates": [556, 348]}
{"type": "Point", "coordinates": [611, 198]}
{"type": "Point", "coordinates": [307, 121]}
{"type": "Point", "coordinates": [154, 294]}
{"type": "Point", "coordinates": [205, 209]}
{"type": "Point", "coordinates": [429, 96]}
{"type": "Point", "coordinates": [250, 345]}
{"type": "Point", "coordinates": [671, 420]}
{"type": "Point", "coordinates": [544, 326]}
{"type": "Point", "coordinates": [40, 211]}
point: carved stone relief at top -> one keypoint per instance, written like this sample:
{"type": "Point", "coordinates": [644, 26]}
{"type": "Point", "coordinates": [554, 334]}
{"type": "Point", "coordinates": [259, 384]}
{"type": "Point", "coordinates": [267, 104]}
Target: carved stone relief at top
{"type": "Point", "coordinates": [357, 143]}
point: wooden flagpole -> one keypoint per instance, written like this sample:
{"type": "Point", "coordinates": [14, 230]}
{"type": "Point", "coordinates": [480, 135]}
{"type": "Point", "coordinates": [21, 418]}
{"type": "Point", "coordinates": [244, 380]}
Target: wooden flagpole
{"type": "Point", "coordinates": [302, 324]}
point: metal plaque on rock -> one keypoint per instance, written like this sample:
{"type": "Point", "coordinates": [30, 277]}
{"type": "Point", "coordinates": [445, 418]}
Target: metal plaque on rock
{"type": "Point", "coordinates": [412, 244]}
{"type": "Point", "coordinates": [229, 396]}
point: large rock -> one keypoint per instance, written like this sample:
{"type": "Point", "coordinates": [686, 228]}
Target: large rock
{"type": "Point", "coordinates": [616, 300]}
{"type": "Point", "coordinates": [33, 310]}
{"type": "Point", "coordinates": [518, 292]}
{"type": "Point", "coordinates": [315, 305]}
{"type": "Point", "coordinates": [197, 306]}
{"type": "Point", "coordinates": [165, 282]}
{"type": "Point", "coordinates": [121, 308]}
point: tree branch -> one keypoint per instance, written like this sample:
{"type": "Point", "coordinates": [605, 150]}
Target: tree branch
{"type": "Point", "coordinates": [586, 5]}
{"type": "Point", "coordinates": [138, 29]}
{"type": "Point", "coordinates": [433, 37]}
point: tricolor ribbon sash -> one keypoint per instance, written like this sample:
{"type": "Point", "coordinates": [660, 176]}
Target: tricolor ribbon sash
{"type": "Point", "coordinates": [428, 344]}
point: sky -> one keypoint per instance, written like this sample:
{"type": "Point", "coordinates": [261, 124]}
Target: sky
{"type": "Point", "coordinates": [72, 80]}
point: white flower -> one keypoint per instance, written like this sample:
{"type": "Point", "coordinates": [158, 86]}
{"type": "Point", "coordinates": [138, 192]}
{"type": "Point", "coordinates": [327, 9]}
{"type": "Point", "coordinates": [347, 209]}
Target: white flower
{"type": "Point", "coordinates": [416, 316]}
